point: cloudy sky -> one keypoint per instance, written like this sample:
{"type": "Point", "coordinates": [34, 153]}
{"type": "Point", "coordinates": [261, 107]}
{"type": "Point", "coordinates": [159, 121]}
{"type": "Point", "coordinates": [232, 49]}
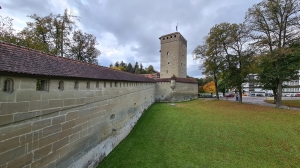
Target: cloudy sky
{"type": "Point", "coordinates": [128, 30]}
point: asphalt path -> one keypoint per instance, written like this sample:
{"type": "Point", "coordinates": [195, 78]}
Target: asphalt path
{"type": "Point", "coordinates": [260, 101]}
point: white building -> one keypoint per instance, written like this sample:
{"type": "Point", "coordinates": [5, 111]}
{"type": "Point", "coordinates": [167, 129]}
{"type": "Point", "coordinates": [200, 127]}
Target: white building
{"type": "Point", "coordinates": [253, 88]}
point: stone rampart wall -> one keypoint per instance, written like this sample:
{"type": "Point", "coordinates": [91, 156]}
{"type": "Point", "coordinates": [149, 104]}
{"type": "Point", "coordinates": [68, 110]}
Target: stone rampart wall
{"type": "Point", "coordinates": [181, 92]}
{"type": "Point", "coordinates": [68, 127]}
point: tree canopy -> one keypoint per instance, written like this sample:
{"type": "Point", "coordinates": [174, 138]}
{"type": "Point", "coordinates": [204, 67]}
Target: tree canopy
{"type": "Point", "coordinates": [53, 34]}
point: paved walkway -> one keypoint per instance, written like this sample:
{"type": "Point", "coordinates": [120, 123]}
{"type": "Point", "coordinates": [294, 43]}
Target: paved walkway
{"type": "Point", "coordinates": [260, 101]}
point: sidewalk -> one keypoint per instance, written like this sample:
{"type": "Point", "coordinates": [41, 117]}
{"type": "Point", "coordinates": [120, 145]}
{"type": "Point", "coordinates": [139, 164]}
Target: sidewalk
{"type": "Point", "coordinates": [260, 101]}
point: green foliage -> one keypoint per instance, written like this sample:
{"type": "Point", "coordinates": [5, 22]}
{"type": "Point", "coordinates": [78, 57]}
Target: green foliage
{"type": "Point", "coordinates": [274, 26]}
{"type": "Point", "coordinates": [82, 47]}
{"type": "Point", "coordinates": [137, 69]}
{"type": "Point", "coordinates": [200, 89]}
{"type": "Point", "coordinates": [150, 69]}
{"type": "Point", "coordinates": [205, 133]}
{"type": "Point", "coordinates": [53, 34]}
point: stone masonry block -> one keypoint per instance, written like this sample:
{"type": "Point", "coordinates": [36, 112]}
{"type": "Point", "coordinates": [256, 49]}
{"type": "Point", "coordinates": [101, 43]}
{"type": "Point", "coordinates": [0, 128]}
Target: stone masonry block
{"type": "Point", "coordinates": [42, 152]}
{"type": "Point", "coordinates": [48, 140]}
{"type": "Point", "coordinates": [74, 137]}
{"type": "Point", "coordinates": [52, 110]}
{"type": "Point", "coordinates": [59, 144]}
{"type": "Point", "coordinates": [71, 116]}
{"type": "Point", "coordinates": [9, 131]}
{"type": "Point", "coordinates": [68, 125]}
{"type": "Point", "coordinates": [6, 119]}
{"type": "Point", "coordinates": [41, 124]}
{"type": "Point", "coordinates": [67, 94]}
{"type": "Point", "coordinates": [45, 160]}
{"type": "Point", "coordinates": [56, 103]}
{"type": "Point", "coordinates": [9, 108]}
{"type": "Point", "coordinates": [28, 84]}
{"type": "Point", "coordinates": [80, 101]}
{"type": "Point", "coordinates": [27, 95]}
{"type": "Point", "coordinates": [51, 130]}
{"type": "Point", "coordinates": [9, 144]}
{"type": "Point", "coordinates": [38, 105]}
{"type": "Point", "coordinates": [12, 154]}
{"type": "Point", "coordinates": [21, 161]}
{"type": "Point", "coordinates": [69, 102]}
{"type": "Point", "coordinates": [24, 116]}
{"type": "Point", "coordinates": [58, 120]}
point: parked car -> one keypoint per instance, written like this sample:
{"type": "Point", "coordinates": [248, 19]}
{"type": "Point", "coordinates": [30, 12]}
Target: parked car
{"type": "Point", "coordinates": [229, 95]}
{"type": "Point", "coordinates": [297, 95]}
{"type": "Point", "coordinates": [287, 95]}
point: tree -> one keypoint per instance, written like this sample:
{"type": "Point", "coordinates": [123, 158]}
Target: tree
{"type": "Point", "coordinates": [136, 68]}
{"type": "Point", "coordinates": [275, 26]}
{"type": "Point", "coordinates": [200, 89]}
{"type": "Point", "coordinates": [291, 56]}
{"type": "Point", "coordinates": [225, 51]}
{"type": "Point", "coordinates": [6, 30]}
{"type": "Point", "coordinates": [129, 68]}
{"type": "Point", "coordinates": [117, 64]}
{"type": "Point", "coordinates": [239, 57]}
{"type": "Point", "coordinates": [82, 48]}
{"type": "Point", "coordinates": [210, 87]}
{"type": "Point", "coordinates": [150, 69]}
{"type": "Point", "coordinates": [212, 59]}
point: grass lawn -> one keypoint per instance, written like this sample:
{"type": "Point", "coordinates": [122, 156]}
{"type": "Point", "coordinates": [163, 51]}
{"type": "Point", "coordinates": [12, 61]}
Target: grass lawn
{"type": "Point", "coordinates": [211, 133]}
{"type": "Point", "coordinates": [289, 103]}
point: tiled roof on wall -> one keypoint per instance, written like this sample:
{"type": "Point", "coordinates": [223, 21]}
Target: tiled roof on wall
{"type": "Point", "coordinates": [16, 59]}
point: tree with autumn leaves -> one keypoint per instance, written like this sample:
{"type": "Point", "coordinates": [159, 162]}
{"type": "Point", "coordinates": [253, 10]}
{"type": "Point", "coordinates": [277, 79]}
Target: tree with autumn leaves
{"type": "Point", "coordinates": [210, 87]}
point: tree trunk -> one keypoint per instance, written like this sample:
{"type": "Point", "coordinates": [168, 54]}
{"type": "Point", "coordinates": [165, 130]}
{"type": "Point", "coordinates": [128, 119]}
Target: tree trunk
{"type": "Point", "coordinates": [275, 95]}
{"type": "Point", "coordinates": [216, 85]}
{"type": "Point", "coordinates": [279, 93]}
{"type": "Point", "coordinates": [240, 94]}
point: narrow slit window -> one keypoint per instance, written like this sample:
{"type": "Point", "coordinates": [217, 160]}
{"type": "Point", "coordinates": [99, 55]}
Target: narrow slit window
{"type": "Point", "coordinates": [97, 84]}
{"type": "Point", "coordinates": [88, 85]}
{"type": "Point", "coordinates": [61, 85]}
{"type": "Point", "coordinates": [8, 86]}
{"type": "Point", "coordinates": [104, 84]}
{"type": "Point", "coordinates": [76, 87]}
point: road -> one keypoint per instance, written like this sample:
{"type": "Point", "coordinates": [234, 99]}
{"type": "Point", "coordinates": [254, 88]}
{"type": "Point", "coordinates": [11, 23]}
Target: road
{"type": "Point", "coordinates": [260, 101]}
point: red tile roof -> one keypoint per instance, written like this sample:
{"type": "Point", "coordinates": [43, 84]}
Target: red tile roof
{"type": "Point", "coordinates": [16, 59]}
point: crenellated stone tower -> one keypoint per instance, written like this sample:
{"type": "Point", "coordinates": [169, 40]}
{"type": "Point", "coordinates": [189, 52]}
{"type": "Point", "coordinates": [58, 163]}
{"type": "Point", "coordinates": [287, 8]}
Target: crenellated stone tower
{"type": "Point", "coordinates": [173, 55]}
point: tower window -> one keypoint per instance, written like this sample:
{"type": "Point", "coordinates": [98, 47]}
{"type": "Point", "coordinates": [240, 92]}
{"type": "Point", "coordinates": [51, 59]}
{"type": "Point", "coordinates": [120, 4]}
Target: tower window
{"type": "Point", "coordinates": [104, 84]}
{"type": "Point", "coordinates": [168, 53]}
{"type": "Point", "coordinates": [167, 71]}
{"type": "Point", "coordinates": [8, 86]}
{"type": "Point", "coordinates": [163, 38]}
{"type": "Point", "coordinates": [181, 63]}
{"type": "Point", "coordinates": [168, 62]}
{"type": "Point", "coordinates": [171, 37]}
{"type": "Point", "coordinates": [167, 37]}
{"type": "Point", "coordinates": [175, 36]}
